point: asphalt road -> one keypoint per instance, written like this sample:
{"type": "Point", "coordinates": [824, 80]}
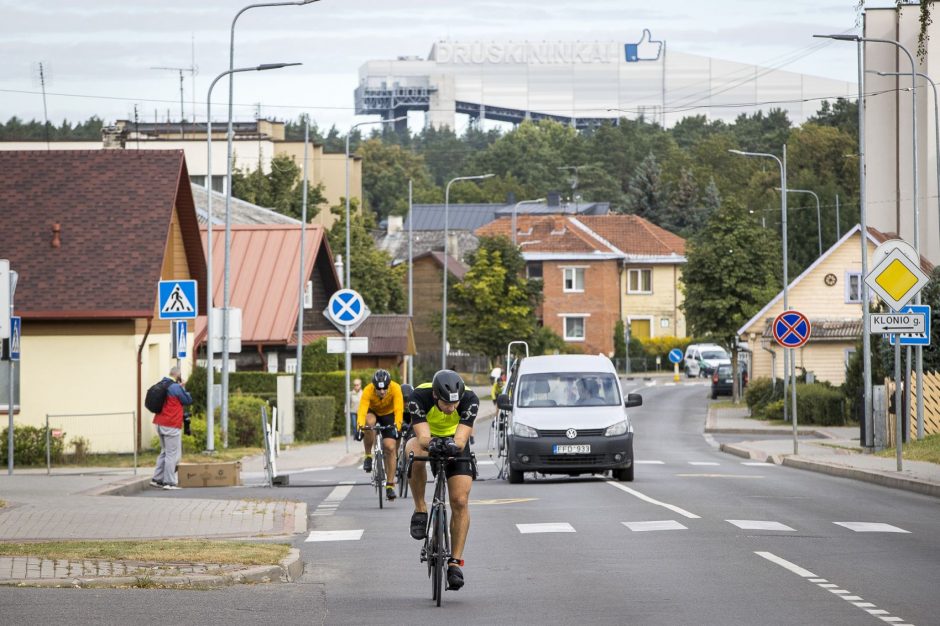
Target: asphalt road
{"type": "Point", "coordinates": [700, 537]}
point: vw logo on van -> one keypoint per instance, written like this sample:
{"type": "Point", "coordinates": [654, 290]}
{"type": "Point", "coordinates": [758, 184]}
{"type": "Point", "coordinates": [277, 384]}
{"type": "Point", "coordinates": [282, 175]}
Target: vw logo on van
{"type": "Point", "coordinates": [571, 433]}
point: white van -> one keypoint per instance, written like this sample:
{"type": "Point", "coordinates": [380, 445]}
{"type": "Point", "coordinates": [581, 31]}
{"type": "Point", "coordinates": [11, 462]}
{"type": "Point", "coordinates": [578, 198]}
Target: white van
{"type": "Point", "coordinates": [567, 416]}
{"type": "Point", "coordinates": [701, 359]}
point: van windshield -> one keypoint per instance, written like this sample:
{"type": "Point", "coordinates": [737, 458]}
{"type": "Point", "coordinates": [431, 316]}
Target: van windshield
{"type": "Point", "coordinates": [716, 354]}
{"type": "Point", "coordinates": [568, 389]}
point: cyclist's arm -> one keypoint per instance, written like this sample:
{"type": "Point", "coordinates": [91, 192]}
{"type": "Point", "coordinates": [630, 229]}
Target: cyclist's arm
{"type": "Point", "coordinates": [462, 436]}
{"type": "Point", "coordinates": [364, 403]}
{"type": "Point", "coordinates": [422, 432]}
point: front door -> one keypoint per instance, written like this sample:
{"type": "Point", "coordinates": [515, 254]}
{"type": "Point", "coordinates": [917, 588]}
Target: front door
{"type": "Point", "coordinates": [640, 329]}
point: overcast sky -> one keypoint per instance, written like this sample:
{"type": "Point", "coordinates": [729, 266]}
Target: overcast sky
{"type": "Point", "coordinates": [98, 53]}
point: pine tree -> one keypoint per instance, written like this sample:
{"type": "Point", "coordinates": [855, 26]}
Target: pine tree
{"type": "Point", "coordinates": [647, 195]}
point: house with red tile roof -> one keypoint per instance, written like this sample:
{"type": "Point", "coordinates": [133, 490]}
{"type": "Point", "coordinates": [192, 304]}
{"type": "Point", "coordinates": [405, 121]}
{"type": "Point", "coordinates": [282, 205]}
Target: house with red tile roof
{"type": "Point", "coordinates": [598, 269]}
{"type": "Point", "coordinates": [91, 234]}
{"type": "Point", "coordinates": [428, 286]}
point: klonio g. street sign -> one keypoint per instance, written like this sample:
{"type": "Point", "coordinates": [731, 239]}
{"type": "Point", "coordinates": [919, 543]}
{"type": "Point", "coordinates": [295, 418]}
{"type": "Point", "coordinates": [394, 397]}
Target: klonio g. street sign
{"type": "Point", "coordinates": [791, 329]}
{"type": "Point", "coordinates": [888, 323]}
{"type": "Point", "coordinates": [919, 338]}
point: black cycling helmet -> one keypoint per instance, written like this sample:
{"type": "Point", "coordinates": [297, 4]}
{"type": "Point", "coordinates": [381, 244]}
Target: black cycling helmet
{"type": "Point", "coordinates": [381, 379]}
{"type": "Point", "coordinates": [448, 386]}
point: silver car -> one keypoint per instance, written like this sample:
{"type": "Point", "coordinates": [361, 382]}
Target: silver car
{"type": "Point", "coordinates": [568, 416]}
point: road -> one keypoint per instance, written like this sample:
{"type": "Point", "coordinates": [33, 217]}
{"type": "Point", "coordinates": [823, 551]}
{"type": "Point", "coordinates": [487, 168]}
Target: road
{"type": "Point", "coordinates": [700, 537]}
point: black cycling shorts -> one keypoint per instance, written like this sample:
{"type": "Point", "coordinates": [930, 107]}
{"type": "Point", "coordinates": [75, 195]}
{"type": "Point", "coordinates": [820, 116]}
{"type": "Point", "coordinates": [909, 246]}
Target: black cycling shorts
{"type": "Point", "coordinates": [387, 425]}
{"type": "Point", "coordinates": [459, 466]}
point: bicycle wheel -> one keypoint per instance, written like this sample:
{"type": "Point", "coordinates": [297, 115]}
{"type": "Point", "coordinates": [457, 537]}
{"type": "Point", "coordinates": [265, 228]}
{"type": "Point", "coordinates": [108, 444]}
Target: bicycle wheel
{"type": "Point", "coordinates": [402, 474]}
{"type": "Point", "coordinates": [440, 552]}
{"type": "Point", "coordinates": [378, 469]}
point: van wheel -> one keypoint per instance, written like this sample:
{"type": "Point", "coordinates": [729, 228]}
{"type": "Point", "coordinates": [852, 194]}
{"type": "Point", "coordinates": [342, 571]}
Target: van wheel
{"type": "Point", "coordinates": [624, 475]}
{"type": "Point", "coordinates": [516, 477]}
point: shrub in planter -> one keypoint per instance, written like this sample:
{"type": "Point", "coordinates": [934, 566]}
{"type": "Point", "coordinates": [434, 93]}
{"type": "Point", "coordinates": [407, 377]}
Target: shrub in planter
{"type": "Point", "coordinates": [314, 417]}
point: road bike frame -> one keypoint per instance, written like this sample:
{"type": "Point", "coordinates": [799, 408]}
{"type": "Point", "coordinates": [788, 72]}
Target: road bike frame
{"type": "Point", "coordinates": [436, 549]}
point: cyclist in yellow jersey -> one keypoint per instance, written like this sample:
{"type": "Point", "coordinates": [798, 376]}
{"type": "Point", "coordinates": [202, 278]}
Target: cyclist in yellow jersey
{"type": "Point", "coordinates": [442, 416]}
{"type": "Point", "coordinates": [381, 404]}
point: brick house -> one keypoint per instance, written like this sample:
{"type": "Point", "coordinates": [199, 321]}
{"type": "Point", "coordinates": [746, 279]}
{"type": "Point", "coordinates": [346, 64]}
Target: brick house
{"type": "Point", "coordinates": [428, 281]}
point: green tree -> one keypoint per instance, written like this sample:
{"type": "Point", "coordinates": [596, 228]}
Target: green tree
{"type": "Point", "coordinates": [370, 273]}
{"type": "Point", "coordinates": [280, 189]}
{"type": "Point", "coordinates": [492, 305]}
{"type": "Point", "coordinates": [386, 170]}
{"type": "Point", "coordinates": [647, 195]}
{"type": "Point", "coordinates": [730, 274]}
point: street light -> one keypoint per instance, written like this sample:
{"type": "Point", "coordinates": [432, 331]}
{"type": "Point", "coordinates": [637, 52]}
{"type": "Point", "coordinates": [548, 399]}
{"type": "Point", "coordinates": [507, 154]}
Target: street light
{"type": "Point", "coordinates": [516, 206]}
{"type": "Point", "coordinates": [348, 282]}
{"type": "Point", "coordinates": [446, 235]}
{"type": "Point", "coordinates": [897, 346]}
{"type": "Point", "coordinates": [786, 280]}
{"type": "Point", "coordinates": [210, 414]}
{"type": "Point", "coordinates": [818, 214]}
{"type": "Point", "coordinates": [228, 202]}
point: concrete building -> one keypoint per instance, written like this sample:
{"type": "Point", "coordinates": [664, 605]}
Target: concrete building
{"type": "Point", "coordinates": [581, 83]}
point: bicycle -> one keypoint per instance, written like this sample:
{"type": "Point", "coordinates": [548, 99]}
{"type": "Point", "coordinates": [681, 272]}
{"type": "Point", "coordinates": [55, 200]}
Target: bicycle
{"type": "Point", "coordinates": [401, 469]}
{"type": "Point", "coordinates": [436, 548]}
{"type": "Point", "coordinates": [379, 480]}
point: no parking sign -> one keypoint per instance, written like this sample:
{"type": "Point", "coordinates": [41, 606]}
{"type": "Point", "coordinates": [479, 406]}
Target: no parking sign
{"type": "Point", "coordinates": [791, 329]}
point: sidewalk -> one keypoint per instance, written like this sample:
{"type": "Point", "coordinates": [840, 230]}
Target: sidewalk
{"type": "Point", "coordinates": [830, 450]}
{"type": "Point", "coordinates": [100, 506]}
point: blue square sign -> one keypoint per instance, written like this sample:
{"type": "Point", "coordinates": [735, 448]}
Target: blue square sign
{"type": "Point", "coordinates": [178, 300]}
{"type": "Point", "coordinates": [914, 339]}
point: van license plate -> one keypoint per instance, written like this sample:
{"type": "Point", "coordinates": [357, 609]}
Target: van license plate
{"type": "Point", "coordinates": [574, 449]}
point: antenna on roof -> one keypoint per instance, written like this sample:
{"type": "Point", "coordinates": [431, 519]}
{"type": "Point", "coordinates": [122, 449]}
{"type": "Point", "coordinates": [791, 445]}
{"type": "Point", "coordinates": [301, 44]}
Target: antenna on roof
{"type": "Point", "coordinates": [137, 126]}
{"type": "Point", "coordinates": [192, 70]}
{"type": "Point", "coordinates": [43, 71]}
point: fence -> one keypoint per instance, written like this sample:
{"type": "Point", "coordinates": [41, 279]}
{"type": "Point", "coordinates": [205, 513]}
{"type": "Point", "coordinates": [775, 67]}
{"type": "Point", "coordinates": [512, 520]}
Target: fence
{"type": "Point", "coordinates": [931, 404]}
{"type": "Point", "coordinates": [114, 433]}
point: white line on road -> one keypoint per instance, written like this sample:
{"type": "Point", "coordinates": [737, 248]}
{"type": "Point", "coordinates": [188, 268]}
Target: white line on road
{"type": "Point", "coordinates": [314, 469]}
{"type": "Point", "coordinates": [759, 464]}
{"type": "Point", "coordinates": [646, 498]}
{"type": "Point", "coordinates": [703, 463]}
{"type": "Point", "coordinates": [871, 527]}
{"type": "Point", "coordinates": [668, 524]}
{"type": "Point", "coordinates": [750, 524]}
{"type": "Point", "coordinates": [550, 527]}
{"type": "Point", "coordinates": [649, 462]}
{"type": "Point", "coordinates": [335, 535]}
{"type": "Point", "coordinates": [821, 582]}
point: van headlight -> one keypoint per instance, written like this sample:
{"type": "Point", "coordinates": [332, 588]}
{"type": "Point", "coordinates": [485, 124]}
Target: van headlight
{"type": "Point", "coordinates": [521, 430]}
{"type": "Point", "coordinates": [620, 428]}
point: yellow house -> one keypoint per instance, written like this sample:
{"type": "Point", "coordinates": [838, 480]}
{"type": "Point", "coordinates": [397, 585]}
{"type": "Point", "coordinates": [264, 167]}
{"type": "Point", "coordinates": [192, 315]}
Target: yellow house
{"type": "Point", "coordinates": [91, 233]}
{"type": "Point", "coordinates": [828, 292]}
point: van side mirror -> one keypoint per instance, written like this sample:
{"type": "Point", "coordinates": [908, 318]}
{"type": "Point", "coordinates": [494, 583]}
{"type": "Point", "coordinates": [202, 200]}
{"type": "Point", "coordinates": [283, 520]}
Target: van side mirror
{"type": "Point", "coordinates": [504, 402]}
{"type": "Point", "coordinates": [633, 399]}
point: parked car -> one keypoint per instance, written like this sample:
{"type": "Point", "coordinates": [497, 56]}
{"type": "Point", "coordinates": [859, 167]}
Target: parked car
{"type": "Point", "coordinates": [701, 359]}
{"type": "Point", "coordinates": [567, 415]}
{"type": "Point", "coordinates": [723, 381]}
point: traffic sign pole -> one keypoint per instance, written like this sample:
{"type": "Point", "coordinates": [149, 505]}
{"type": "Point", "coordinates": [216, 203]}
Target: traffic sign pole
{"type": "Point", "coordinates": [792, 330]}
{"type": "Point", "coordinates": [11, 287]}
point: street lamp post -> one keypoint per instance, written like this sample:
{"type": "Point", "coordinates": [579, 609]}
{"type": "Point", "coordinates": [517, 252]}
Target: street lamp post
{"type": "Point", "coordinates": [897, 346]}
{"type": "Point", "coordinates": [298, 374]}
{"type": "Point", "coordinates": [818, 214]}
{"type": "Point", "coordinates": [446, 251]}
{"type": "Point", "coordinates": [515, 207]}
{"type": "Point", "coordinates": [210, 414]}
{"type": "Point", "coordinates": [228, 203]}
{"type": "Point", "coordinates": [786, 281]}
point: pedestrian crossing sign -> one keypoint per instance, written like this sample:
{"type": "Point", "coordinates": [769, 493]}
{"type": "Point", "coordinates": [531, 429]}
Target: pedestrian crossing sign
{"type": "Point", "coordinates": [177, 300]}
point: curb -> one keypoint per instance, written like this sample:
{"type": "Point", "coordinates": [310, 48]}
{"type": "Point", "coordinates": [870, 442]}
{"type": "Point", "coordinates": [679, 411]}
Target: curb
{"type": "Point", "coordinates": [768, 431]}
{"type": "Point", "coordinates": [876, 477]}
{"type": "Point", "coordinates": [123, 487]}
{"type": "Point", "coordinates": [289, 569]}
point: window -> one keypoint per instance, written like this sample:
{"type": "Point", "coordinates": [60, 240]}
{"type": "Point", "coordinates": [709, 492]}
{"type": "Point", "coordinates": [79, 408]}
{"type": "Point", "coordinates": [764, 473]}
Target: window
{"type": "Point", "coordinates": [848, 357]}
{"type": "Point", "coordinates": [308, 295]}
{"type": "Point", "coordinates": [533, 270]}
{"type": "Point", "coordinates": [853, 287]}
{"type": "Point", "coordinates": [640, 281]}
{"type": "Point", "coordinates": [574, 279]}
{"type": "Point", "coordinates": [290, 366]}
{"type": "Point", "coordinates": [574, 329]}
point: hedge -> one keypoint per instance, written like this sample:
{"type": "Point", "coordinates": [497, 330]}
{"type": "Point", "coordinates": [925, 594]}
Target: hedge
{"type": "Point", "coordinates": [314, 418]}
{"type": "Point", "coordinates": [759, 393]}
{"type": "Point", "coordinates": [29, 446]}
{"type": "Point", "coordinates": [816, 403]}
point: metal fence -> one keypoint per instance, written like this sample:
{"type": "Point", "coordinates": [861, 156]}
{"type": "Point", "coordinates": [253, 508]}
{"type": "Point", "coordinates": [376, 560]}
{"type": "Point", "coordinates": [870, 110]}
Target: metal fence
{"type": "Point", "coordinates": [83, 434]}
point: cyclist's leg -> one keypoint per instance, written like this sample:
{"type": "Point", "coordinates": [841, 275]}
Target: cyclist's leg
{"type": "Point", "coordinates": [368, 441]}
{"type": "Point", "coordinates": [389, 441]}
{"type": "Point", "coordinates": [458, 490]}
{"type": "Point", "coordinates": [419, 475]}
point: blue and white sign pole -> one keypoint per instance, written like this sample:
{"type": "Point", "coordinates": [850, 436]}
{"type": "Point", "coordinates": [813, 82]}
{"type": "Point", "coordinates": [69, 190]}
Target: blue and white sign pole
{"type": "Point", "coordinates": [675, 357]}
{"type": "Point", "coordinates": [346, 309]}
{"type": "Point", "coordinates": [11, 287]}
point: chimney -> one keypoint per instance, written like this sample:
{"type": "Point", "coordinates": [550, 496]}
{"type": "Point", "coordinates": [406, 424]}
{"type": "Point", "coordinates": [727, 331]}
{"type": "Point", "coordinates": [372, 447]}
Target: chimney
{"type": "Point", "coordinates": [554, 199]}
{"type": "Point", "coordinates": [396, 224]}
{"type": "Point", "coordinates": [56, 241]}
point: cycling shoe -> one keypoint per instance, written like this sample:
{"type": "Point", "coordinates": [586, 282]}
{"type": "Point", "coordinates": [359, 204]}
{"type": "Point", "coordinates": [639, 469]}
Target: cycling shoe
{"type": "Point", "coordinates": [454, 577]}
{"type": "Point", "coordinates": [419, 525]}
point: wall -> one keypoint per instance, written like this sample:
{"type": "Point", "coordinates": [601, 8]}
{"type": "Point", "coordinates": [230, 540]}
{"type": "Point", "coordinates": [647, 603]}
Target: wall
{"type": "Point", "coordinates": [329, 169]}
{"type": "Point", "coordinates": [427, 305]}
{"type": "Point", "coordinates": [662, 303]}
{"type": "Point", "coordinates": [600, 302]}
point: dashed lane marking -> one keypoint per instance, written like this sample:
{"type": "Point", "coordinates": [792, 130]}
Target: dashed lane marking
{"type": "Point", "coordinates": [646, 498]}
{"type": "Point", "coordinates": [549, 527]}
{"type": "Point", "coordinates": [703, 463]}
{"type": "Point", "coordinates": [332, 501]}
{"type": "Point", "coordinates": [649, 462]}
{"type": "Point", "coordinates": [503, 501]}
{"type": "Point", "coordinates": [335, 535]}
{"type": "Point", "coordinates": [759, 464]}
{"type": "Point", "coordinates": [719, 476]}
{"type": "Point", "coordinates": [750, 524]}
{"type": "Point", "coordinates": [871, 527]}
{"type": "Point", "coordinates": [639, 527]}
{"type": "Point", "coordinates": [855, 600]}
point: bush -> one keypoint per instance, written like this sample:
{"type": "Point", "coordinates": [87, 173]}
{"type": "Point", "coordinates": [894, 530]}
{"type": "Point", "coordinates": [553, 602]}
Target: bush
{"type": "Point", "coordinates": [252, 382]}
{"type": "Point", "coordinates": [759, 393]}
{"type": "Point", "coordinates": [773, 410]}
{"type": "Point", "coordinates": [819, 403]}
{"type": "Point", "coordinates": [315, 358]}
{"type": "Point", "coordinates": [661, 346]}
{"type": "Point", "coordinates": [244, 421]}
{"type": "Point", "coordinates": [314, 418]}
{"type": "Point", "coordinates": [29, 446]}
{"type": "Point", "coordinates": [333, 384]}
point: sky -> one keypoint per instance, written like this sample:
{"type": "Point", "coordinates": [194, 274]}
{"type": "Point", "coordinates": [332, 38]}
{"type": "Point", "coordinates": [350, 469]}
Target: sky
{"type": "Point", "coordinates": [97, 55]}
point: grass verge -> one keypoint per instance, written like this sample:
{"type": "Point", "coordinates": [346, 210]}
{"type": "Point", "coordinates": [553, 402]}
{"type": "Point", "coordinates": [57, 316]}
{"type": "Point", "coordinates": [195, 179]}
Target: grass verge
{"type": "Point", "coordinates": [2, 504]}
{"type": "Point", "coordinates": [927, 449]}
{"type": "Point", "coordinates": [149, 457]}
{"type": "Point", "coordinates": [170, 551]}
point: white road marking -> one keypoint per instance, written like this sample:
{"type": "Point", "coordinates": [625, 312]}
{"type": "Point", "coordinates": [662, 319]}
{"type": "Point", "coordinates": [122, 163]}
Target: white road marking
{"type": "Point", "coordinates": [480, 462]}
{"type": "Point", "coordinates": [750, 524]}
{"type": "Point", "coordinates": [821, 582]}
{"type": "Point", "coordinates": [649, 462]}
{"type": "Point", "coordinates": [335, 535]}
{"type": "Point", "coordinates": [871, 527]}
{"type": "Point", "coordinates": [332, 501]}
{"type": "Point", "coordinates": [668, 524]}
{"type": "Point", "coordinates": [646, 498]}
{"type": "Point", "coordinates": [314, 469]}
{"type": "Point", "coordinates": [703, 463]}
{"type": "Point", "coordinates": [759, 464]}
{"type": "Point", "coordinates": [549, 527]}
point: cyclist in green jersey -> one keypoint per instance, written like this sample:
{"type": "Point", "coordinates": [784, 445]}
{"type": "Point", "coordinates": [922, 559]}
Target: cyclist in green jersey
{"type": "Point", "coordinates": [442, 416]}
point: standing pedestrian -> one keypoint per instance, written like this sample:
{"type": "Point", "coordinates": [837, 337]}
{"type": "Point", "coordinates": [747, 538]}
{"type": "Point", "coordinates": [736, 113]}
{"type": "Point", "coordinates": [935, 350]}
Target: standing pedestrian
{"type": "Point", "coordinates": [169, 422]}
{"type": "Point", "coordinates": [355, 397]}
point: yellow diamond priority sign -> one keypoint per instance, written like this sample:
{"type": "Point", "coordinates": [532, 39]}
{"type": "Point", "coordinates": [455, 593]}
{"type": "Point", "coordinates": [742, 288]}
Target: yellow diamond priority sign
{"type": "Point", "coordinates": [896, 279]}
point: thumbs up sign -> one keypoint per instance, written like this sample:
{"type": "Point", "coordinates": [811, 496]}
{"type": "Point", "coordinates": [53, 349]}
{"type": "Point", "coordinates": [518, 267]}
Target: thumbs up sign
{"type": "Point", "coordinates": [644, 50]}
